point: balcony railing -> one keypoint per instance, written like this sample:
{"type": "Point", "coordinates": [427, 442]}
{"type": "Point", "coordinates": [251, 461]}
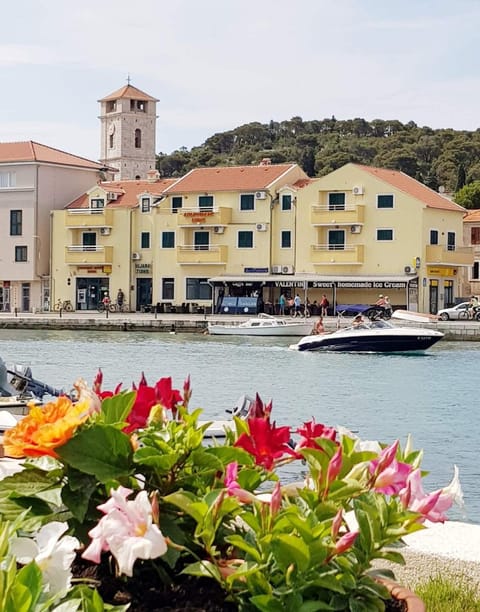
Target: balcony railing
{"type": "Point", "coordinates": [202, 254]}
{"type": "Point", "coordinates": [326, 215]}
{"type": "Point", "coordinates": [88, 217]}
{"type": "Point", "coordinates": [456, 256]}
{"type": "Point", "coordinates": [188, 217]}
{"type": "Point", "coordinates": [91, 254]}
{"type": "Point", "coordinates": [335, 254]}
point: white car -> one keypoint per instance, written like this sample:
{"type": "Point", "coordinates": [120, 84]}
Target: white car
{"type": "Point", "coordinates": [454, 313]}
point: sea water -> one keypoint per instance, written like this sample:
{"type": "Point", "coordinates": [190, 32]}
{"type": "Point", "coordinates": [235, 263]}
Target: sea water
{"type": "Point", "coordinates": [433, 396]}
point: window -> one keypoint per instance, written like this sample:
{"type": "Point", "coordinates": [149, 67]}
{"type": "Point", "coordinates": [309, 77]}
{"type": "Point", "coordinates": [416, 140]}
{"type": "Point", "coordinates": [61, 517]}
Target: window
{"type": "Point", "coordinates": [145, 206]}
{"type": "Point", "coordinates": [433, 236]}
{"type": "Point", "coordinates": [177, 202]}
{"type": "Point", "coordinates": [286, 202]}
{"type": "Point", "coordinates": [168, 288]}
{"type": "Point", "coordinates": [168, 240]}
{"type": "Point", "coordinates": [475, 271]}
{"type": "Point", "coordinates": [475, 235]}
{"type": "Point", "coordinates": [8, 179]}
{"type": "Point", "coordinates": [450, 241]}
{"type": "Point", "coordinates": [448, 293]}
{"type": "Point", "coordinates": [198, 289]}
{"type": "Point", "coordinates": [89, 241]}
{"type": "Point", "coordinates": [247, 201]}
{"type": "Point", "coordinates": [385, 201]}
{"type": "Point", "coordinates": [245, 240]}
{"type": "Point", "coordinates": [111, 106]}
{"type": "Point", "coordinates": [384, 234]}
{"type": "Point", "coordinates": [97, 203]}
{"type": "Point", "coordinates": [336, 201]}
{"type": "Point", "coordinates": [336, 240]}
{"type": "Point", "coordinates": [286, 239]}
{"type": "Point", "coordinates": [205, 202]}
{"type": "Point", "coordinates": [110, 141]}
{"type": "Point", "coordinates": [20, 253]}
{"type": "Point", "coordinates": [15, 223]}
{"type": "Point", "coordinates": [145, 240]}
{"type": "Point", "coordinates": [138, 139]}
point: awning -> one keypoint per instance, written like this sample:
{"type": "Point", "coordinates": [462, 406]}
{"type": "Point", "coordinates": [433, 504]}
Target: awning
{"type": "Point", "coordinates": [317, 280]}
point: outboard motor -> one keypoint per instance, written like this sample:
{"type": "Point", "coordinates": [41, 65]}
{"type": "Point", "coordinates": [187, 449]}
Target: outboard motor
{"type": "Point", "coordinates": [19, 381]}
{"type": "Point", "coordinates": [6, 389]}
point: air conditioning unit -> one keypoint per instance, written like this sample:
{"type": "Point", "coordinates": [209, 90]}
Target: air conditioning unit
{"type": "Point", "coordinates": [111, 195]}
{"type": "Point", "coordinates": [276, 269]}
{"type": "Point", "coordinates": [260, 195]}
{"type": "Point", "coordinates": [287, 270]}
{"type": "Point", "coordinates": [261, 227]}
{"type": "Point", "coordinates": [136, 256]}
{"type": "Point", "coordinates": [356, 229]}
{"type": "Point", "coordinates": [409, 270]}
{"type": "Point", "coordinates": [105, 231]}
{"type": "Point", "coordinates": [357, 190]}
{"type": "Point", "coordinates": [218, 229]}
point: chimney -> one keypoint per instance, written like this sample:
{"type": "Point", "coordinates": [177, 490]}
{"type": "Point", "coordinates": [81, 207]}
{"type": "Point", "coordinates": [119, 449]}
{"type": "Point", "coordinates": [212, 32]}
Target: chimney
{"type": "Point", "coordinates": [153, 175]}
{"type": "Point", "coordinates": [266, 161]}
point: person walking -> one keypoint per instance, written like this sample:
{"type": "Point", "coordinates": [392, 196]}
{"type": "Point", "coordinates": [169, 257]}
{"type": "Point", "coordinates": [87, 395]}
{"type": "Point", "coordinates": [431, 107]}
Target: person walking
{"type": "Point", "coordinates": [120, 298]}
{"type": "Point", "coordinates": [281, 304]}
{"type": "Point", "coordinates": [324, 304]}
{"type": "Point", "coordinates": [297, 302]}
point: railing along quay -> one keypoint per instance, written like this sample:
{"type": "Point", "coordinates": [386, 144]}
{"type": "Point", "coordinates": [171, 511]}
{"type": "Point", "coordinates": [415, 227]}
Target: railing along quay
{"type": "Point", "coordinates": [189, 323]}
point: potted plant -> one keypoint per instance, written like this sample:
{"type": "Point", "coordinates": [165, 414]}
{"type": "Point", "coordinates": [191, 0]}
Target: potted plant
{"type": "Point", "coordinates": [119, 489]}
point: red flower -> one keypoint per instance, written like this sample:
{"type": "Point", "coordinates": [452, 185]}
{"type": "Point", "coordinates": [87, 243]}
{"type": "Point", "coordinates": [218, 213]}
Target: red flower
{"type": "Point", "coordinates": [259, 410]}
{"type": "Point", "coordinates": [97, 386]}
{"type": "Point", "coordinates": [166, 396]}
{"type": "Point", "coordinates": [147, 397]}
{"type": "Point", "coordinates": [266, 442]}
{"type": "Point", "coordinates": [310, 431]}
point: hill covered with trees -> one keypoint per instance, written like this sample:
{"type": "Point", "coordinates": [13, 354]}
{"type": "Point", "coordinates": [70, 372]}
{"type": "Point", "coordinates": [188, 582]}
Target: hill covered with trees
{"type": "Point", "coordinates": [438, 158]}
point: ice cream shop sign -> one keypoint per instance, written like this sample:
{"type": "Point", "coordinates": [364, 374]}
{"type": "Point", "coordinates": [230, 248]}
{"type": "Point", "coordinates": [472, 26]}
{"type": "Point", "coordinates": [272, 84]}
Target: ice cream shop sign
{"type": "Point", "coordinates": [143, 268]}
{"type": "Point", "coordinates": [198, 216]}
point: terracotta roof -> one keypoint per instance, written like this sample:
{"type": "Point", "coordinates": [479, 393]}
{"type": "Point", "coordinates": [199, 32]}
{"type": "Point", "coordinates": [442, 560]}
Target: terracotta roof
{"type": "Point", "coordinates": [472, 216]}
{"type": "Point", "coordinates": [414, 188]}
{"type": "Point", "coordinates": [130, 92]}
{"type": "Point", "coordinates": [30, 151]}
{"type": "Point", "coordinates": [128, 192]}
{"type": "Point", "coordinates": [235, 178]}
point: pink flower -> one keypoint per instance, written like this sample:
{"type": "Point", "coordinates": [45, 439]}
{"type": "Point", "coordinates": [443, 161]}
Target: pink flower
{"type": "Point", "coordinates": [431, 506]}
{"type": "Point", "coordinates": [389, 475]}
{"type": "Point", "coordinates": [334, 467]}
{"type": "Point", "coordinates": [232, 486]}
{"type": "Point", "coordinates": [310, 431]}
{"type": "Point", "coordinates": [127, 531]}
{"type": "Point", "coordinates": [346, 542]}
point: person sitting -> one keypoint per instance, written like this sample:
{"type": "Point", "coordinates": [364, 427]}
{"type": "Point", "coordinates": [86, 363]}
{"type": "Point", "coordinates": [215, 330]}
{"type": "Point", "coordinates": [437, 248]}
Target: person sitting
{"type": "Point", "coordinates": [358, 321]}
{"type": "Point", "coordinates": [319, 328]}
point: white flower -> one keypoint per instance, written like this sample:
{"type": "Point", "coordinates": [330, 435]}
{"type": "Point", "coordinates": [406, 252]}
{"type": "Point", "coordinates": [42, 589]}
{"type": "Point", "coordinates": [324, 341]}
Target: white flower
{"type": "Point", "coordinates": [53, 554]}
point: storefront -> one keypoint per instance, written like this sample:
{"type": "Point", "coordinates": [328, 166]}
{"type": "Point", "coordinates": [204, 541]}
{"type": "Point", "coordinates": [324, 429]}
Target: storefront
{"type": "Point", "coordinates": [402, 290]}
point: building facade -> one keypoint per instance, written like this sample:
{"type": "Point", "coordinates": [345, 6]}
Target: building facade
{"type": "Point", "coordinates": [34, 179]}
{"type": "Point", "coordinates": [471, 237]}
{"type": "Point", "coordinates": [128, 127]}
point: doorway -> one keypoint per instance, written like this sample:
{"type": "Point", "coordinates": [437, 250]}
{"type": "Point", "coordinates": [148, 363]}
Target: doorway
{"type": "Point", "coordinates": [89, 292]}
{"type": "Point", "coordinates": [433, 297]}
{"type": "Point", "coordinates": [144, 293]}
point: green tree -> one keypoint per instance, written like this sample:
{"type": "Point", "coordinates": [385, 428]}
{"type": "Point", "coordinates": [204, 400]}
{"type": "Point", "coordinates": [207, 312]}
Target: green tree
{"type": "Point", "coordinates": [469, 196]}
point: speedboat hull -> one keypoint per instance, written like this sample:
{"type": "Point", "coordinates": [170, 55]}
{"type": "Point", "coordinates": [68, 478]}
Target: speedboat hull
{"type": "Point", "coordinates": [379, 337]}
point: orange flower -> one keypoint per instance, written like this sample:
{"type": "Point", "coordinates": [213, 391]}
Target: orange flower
{"type": "Point", "coordinates": [45, 428]}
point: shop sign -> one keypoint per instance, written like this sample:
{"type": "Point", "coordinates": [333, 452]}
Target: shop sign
{"type": "Point", "coordinates": [198, 216]}
{"type": "Point", "coordinates": [143, 268]}
{"type": "Point", "coordinates": [255, 270]}
{"type": "Point", "coordinates": [370, 285]}
{"type": "Point", "coordinates": [89, 269]}
{"type": "Point", "coordinates": [286, 284]}
{"type": "Point", "coordinates": [441, 271]}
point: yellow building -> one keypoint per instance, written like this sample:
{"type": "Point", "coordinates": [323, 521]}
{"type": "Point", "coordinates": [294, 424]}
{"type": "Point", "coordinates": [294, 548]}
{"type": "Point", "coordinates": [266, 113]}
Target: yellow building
{"type": "Point", "coordinates": [259, 231]}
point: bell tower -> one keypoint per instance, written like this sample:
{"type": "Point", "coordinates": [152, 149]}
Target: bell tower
{"type": "Point", "coordinates": [128, 125]}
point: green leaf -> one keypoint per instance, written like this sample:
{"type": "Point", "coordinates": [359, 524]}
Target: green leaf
{"type": "Point", "coordinates": [155, 459]}
{"type": "Point", "coordinates": [188, 503]}
{"type": "Point", "coordinates": [289, 549]}
{"type": "Point", "coordinates": [241, 544]}
{"type": "Point", "coordinates": [101, 450]}
{"type": "Point", "coordinates": [204, 569]}
{"type": "Point", "coordinates": [77, 499]}
{"type": "Point", "coordinates": [116, 409]}
{"type": "Point", "coordinates": [26, 589]}
{"type": "Point", "coordinates": [28, 482]}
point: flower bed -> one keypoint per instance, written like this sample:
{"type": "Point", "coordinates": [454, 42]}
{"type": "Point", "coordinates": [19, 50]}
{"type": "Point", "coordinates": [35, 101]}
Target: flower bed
{"type": "Point", "coordinates": [123, 486]}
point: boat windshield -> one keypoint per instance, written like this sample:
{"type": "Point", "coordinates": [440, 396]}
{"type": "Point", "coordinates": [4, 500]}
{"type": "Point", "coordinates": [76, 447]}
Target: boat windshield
{"type": "Point", "coordinates": [380, 324]}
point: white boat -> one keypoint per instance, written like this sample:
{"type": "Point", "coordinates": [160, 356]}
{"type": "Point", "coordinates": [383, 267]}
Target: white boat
{"type": "Point", "coordinates": [372, 337]}
{"type": "Point", "coordinates": [263, 325]}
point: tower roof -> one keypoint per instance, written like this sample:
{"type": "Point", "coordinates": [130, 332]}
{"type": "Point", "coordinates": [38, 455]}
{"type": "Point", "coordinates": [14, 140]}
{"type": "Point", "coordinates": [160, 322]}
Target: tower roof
{"type": "Point", "coordinates": [130, 92]}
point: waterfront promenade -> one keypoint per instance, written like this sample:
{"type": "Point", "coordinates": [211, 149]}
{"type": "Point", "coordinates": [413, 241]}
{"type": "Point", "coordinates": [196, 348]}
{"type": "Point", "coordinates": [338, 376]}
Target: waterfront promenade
{"type": "Point", "coordinates": [188, 323]}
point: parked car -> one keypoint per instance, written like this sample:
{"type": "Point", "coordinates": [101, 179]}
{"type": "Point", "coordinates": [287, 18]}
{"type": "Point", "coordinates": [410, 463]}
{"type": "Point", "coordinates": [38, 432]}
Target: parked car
{"type": "Point", "coordinates": [454, 313]}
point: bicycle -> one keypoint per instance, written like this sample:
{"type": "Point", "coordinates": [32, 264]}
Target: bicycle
{"type": "Point", "coordinates": [119, 307]}
{"type": "Point", "coordinates": [63, 305]}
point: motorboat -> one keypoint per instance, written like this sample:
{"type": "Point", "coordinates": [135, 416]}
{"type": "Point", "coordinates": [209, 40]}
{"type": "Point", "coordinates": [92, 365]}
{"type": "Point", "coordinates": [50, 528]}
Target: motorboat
{"type": "Point", "coordinates": [263, 325]}
{"type": "Point", "coordinates": [376, 336]}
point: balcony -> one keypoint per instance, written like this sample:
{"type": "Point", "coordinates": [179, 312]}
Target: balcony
{"type": "Point", "coordinates": [188, 217]}
{"type": "Point", "coordinates": [204, 254]}
{"type": "Point", "coordinates": [88, 217]}
{"type": "Point", "coordinates": [93, 255]}
{"type": "Point", "coordinates": [350, 215]}
{"type": "Point", "coordinates": [334, 255]}
{"type": "Point", "coordinates": [437, 254]}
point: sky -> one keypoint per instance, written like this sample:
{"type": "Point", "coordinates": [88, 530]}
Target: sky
{"type": "Point", "coordinates": [218, 64]}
